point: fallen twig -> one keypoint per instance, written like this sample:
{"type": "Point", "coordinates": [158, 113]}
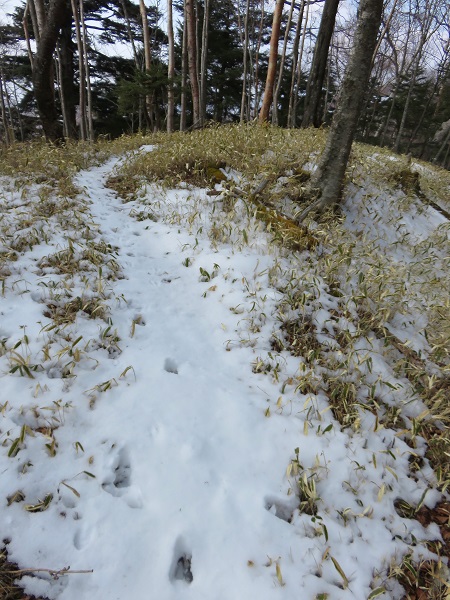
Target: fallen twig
{"type": "Point", "coordinates": [52, 572]}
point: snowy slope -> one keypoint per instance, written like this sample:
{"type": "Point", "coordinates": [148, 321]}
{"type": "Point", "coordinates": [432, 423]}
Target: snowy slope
{"type": "Point", "coordinates": [174, 465]}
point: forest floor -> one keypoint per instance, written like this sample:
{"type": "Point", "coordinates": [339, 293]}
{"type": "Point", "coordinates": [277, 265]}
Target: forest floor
{"type": "Point", "coordinates": [202, 400]}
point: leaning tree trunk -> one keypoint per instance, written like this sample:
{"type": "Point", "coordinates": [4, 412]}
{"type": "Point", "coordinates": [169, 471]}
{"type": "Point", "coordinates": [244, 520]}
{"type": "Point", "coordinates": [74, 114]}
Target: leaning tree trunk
{"type": "Point", "coordinates": [328, 180]}
{"type": "Point", "coordinates": [277, 89]}
{"type": "Point", "coordinates": [312, 112]}
{"type": "Point", "coordinates": [273, 58]}
{"type": "Point", "coordinates": [43, 79]}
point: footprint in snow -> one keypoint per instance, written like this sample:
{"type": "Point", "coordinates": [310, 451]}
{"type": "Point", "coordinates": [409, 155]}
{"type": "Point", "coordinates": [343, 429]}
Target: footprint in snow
{"type": "Point", "coordinates": [120, 477]}
{"type": "Point", "coordinates": [170, 366]}
{"type": "Point", "coordinates": [83, 537]}
{"type": "Point", "coordinates": [181, 568]}
{"type": "Point", "coordinates": [118, 482]}
{"type": "Point", "coordinates": [281, 508]}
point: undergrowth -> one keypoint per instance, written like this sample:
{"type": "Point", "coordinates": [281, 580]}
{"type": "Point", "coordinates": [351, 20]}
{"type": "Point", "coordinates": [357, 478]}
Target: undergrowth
{"type": "Point", "coordinates": [362, 298]}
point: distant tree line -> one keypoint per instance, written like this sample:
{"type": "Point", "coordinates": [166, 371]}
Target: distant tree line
{"type": "Point", "coordinates": [77, 69]}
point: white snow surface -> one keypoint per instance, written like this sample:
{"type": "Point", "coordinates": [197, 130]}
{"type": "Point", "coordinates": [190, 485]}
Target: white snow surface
{"type": "Point", "coordinates": [177, 458]}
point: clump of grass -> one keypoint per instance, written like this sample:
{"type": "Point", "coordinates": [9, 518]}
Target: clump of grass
{"type": "Point", "coordinates": [342, 395]}
{"type": "Point", "coordinates": [65, 313]}
{"type": "Point", "coordinates": [298, 338]}
{"type": "Point", "coordinates": [197, 157]}
{"type": "Point", "coordinates": [42, 163]}
{"type": "Point", "coordinates": [422, 580]}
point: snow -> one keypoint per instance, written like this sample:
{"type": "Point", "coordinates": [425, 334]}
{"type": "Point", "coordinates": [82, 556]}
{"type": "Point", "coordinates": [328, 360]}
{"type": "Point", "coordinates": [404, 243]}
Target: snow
{"type": "Point", "coordinates": [169, 443]}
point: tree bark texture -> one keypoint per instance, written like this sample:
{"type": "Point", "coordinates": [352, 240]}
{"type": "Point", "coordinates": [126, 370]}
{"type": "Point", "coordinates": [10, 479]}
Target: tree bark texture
{"type": "Point", "coordinates": [90, 118]}
{"type": "Point", "coordinates": [170, 69]}
{"type": "Point", "coordinates": [68, 93]}
{"type": "Point", "coordinates": [82, 120]}
{"type": "Point", "coordinates": [203, 61]}
{"type": "Point", "coordinates": [184, 68]}
{"type": "Point", "coordinates": [43, 79]}
{"type": "Point", "coordinates": [273, 58]}
{"type": "Point", "coordinates": [192, 61]}
{"type": "Point", "coordinates": [312, 113]}
{"type": "Point", "coordinates": [328, 180]}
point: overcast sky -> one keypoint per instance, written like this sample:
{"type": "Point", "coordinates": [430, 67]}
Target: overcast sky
{"type": "Point", "coordinates": [7, 6]}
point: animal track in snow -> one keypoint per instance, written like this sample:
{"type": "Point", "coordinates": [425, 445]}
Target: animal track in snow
{"type": "Point", "coordinates": [121, 474]}
{"type": "Point", "coordinates": [118, 483]}
{"type": "Point", "coordinates": [83, 537]}
{"type": "Point", "coordinates": [181, 568]}
{"type": "Point", "coordinates": [170, 366]}
{"type": "Point", "coordinates": [283, 509]}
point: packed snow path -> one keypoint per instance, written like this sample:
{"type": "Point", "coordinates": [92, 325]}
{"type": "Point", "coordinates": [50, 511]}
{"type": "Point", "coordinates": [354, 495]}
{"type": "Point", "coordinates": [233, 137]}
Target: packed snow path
{"type": "Point", "coordinates": [189, 498]}
{"type": "Point", "coordinates": [187, 445]}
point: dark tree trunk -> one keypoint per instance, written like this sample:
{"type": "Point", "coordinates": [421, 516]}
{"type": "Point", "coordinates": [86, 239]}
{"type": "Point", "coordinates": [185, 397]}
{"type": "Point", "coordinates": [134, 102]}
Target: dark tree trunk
{"type": "Point", "coordinates": [328, 180]}
{"type": "Point", "coordinates": [68, 91]}
{"type": "Point", "coordinates": [312, 114]}
{"type": "Point", "coordinates": [43, 77]}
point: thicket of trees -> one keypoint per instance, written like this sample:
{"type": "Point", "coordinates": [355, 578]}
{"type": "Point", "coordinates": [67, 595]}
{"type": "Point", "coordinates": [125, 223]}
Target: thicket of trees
{"type": "Point", "coordinates": [83, 68]}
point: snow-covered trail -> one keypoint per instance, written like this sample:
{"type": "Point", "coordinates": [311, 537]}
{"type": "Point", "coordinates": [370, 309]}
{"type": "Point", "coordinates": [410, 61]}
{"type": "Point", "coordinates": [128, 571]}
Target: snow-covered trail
{"type": "Point", "coordinates": [183, 456]}
{"type": "Point", "coordinates": [167, 477]}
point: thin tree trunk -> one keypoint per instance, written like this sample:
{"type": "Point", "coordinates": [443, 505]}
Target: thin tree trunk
{"type": "Point", "coordinates": [281, 67]}
{"type": "Point", "coordinates": [40, 15]}
{"type": "Point", "coordinates": [422, 116]}
{"type": "Point", "coordinates": [81, 75]}
{"type": "Point", "coordinates": [27, 33]}
{"type": "Point", "coordinates": [273, 58]}
{"type": "Point", "coordinates": [298, 74]}
{"type": "Point", "coordinates": [66, 75]}
{"type": "Point", "coordinates": [192, 62]}
{"type": "Point", "coordinates": [385, 30]}
{"type": "Point", "coordinates": [294, 62]}
{"type": "Point", "coordinates": [19, 116]}
{"type": "Point", "coordinates": [61, 93]}
{"type": "Point", "coordinates": [312, 113]}
{"type": "Point", "coordinates": [256, 63]}
{"type": "Point", "coordinates": [328, 180]}
{"type": "Point", "coordinates": [90, 119]}
{"type": "Point", "coordinates": [147, 57]}
{"type": "Point", "coordinates": [183, 75]}
{"type": "Point", "coordinates": [170, 69]}
{"type": "Point", "coordinates": [130, 33]}
{"type": "Point", "coordinates": [34, 21]}
{"type": "Point", "coordinates": [445, 143]}
{"type": "Point", "coordinates": [3, 109]}
{"type": "Point", "coordinates": [203, 61]}
{"type": "Point", "coordinates": [426, 24]}
{"type": "Point", "coordinates": [412, 83]}
{"type": "Point", "coordinates": [244, 95]}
